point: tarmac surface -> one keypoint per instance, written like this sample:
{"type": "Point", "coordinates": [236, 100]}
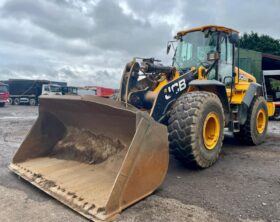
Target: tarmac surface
{"type": "Point", "coordinates": [244, 185]}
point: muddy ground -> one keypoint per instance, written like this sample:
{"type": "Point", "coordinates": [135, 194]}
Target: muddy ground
{"type": "Point", "coordinates": [244, 185]}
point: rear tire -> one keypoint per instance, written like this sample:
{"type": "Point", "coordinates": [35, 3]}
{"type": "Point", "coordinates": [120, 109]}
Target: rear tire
{"type": "Point", "coordinates": [277, 114]}
{"type": "Point", "coordinates": [2, 104]}
{"type": "Point", "coordinates": [32, 102]}
{"type": "Point", "coordinates": [196, 129]}
{"type": "Point", "coordinates": [16, 101]}
{"type": "Point", "coordinates": [253, 132]}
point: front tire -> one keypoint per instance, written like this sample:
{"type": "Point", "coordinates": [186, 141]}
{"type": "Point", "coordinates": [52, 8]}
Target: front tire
{"type": "Point", "coordinates": [253, 132]}
{"type": "Point", "coordinates": [196, 129]}
{"type": "Point", "coordinates": [11, 101]}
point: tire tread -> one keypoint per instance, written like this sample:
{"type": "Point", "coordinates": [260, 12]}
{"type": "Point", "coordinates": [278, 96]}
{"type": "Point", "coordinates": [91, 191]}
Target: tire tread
{"type": "Point", "coordinates": [181, 128]}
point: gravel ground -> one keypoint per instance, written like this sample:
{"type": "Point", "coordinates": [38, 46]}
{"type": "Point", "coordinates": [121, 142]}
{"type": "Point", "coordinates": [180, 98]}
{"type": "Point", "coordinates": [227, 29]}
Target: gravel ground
{"type": "Point", "coordinates": [244, 185]}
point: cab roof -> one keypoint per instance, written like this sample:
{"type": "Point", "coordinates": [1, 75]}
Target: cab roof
{"type": "Point", "coordinates": [202, 28]}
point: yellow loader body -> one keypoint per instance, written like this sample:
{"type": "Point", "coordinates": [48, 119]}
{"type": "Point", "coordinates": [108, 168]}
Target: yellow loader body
{"type": "Point", "coordinates": [99, 156]}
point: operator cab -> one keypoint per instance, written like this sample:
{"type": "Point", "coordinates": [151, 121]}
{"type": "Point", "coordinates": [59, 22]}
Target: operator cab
{"type": "Point", "coordinates": [51, 89]}
{"type": "Point", "coordinates": [210, 47]}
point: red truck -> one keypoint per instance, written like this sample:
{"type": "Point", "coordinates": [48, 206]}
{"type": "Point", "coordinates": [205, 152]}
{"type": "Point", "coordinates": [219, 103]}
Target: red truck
{"type": "Point", "coordinates": [97, 91]}
{"type": "Point", "coordinates": [104, 92]}
{"type": "Point", "coordinates": [4, 94]}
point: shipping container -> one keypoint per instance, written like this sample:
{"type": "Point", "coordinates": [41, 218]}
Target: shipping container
{"type": "Point", "coordinates": [251, 61]}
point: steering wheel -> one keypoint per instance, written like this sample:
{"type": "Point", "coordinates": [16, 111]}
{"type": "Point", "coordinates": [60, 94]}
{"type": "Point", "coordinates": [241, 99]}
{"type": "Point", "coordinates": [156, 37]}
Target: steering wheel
{"type": "Point", "coordinates": [203, 63]}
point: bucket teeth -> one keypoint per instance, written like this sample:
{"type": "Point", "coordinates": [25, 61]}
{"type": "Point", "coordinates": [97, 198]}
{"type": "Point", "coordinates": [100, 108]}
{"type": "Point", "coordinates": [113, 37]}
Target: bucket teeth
{"type": "Point", "coordinates": [50, 186]}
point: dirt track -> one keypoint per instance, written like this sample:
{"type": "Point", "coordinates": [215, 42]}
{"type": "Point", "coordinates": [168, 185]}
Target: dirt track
{"type": "Point", "coordinates": [244, 185]}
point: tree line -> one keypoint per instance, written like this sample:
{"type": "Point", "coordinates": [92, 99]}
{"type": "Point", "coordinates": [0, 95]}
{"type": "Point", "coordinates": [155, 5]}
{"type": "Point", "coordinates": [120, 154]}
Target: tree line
{"type": "Point", "coordinates": [260, 43]}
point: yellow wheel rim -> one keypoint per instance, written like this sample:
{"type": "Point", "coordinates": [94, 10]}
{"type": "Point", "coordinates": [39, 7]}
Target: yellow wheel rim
{"type": "Point", "coordinates": [261, 121]}
{"type": "Point", "coordinates": [211, 130]}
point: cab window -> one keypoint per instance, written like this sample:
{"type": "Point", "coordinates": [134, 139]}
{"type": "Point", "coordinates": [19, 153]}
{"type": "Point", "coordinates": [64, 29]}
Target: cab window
{"type": "Point", "coordinates": [225, 66]}
{"type": "Point", "coordinates": [47, 88]}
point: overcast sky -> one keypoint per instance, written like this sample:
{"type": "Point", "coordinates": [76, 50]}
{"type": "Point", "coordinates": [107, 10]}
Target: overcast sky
{"type": "Point", "coordinates": [89, 42]}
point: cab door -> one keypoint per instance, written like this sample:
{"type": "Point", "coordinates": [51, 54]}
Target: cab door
{"type": "Point", "coordinates": [225, 74]}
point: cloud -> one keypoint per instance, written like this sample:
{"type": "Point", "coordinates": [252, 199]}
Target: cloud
{"type": "Point", "coordinates": [118, 31]}
{"type": "Point", "coordinates": [89, 42]}
{"type": "Point", "coordinates": [63, 21]}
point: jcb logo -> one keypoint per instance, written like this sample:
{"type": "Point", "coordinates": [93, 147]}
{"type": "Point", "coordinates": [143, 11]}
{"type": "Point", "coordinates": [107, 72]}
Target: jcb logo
{"type": "Point", "coordinates": [175, 88]}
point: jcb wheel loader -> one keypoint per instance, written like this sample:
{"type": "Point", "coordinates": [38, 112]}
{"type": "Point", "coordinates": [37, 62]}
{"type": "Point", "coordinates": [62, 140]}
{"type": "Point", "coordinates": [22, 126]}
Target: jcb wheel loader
{"type": "Point", "coordinates": [99, 156]}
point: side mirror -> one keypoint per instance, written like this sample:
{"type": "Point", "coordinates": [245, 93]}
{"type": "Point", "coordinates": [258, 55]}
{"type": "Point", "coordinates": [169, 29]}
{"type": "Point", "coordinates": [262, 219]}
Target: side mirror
{"type": "Point", "coordinates": [212, 56]}
{"type": "Point", "coordinates": [234, 38]}
{"type": "Point", "coordinates": [168, 48]}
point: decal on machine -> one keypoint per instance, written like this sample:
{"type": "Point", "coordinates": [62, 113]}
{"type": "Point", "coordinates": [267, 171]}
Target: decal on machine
{"type": "Point", "coordinates": [242, 77]}
{"type": "Point", "coordinates": [175, 88]}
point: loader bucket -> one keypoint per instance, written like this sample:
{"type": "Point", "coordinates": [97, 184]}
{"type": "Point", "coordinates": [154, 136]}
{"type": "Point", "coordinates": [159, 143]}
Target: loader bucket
{"type": "Point", "coordinates": [93, 154]}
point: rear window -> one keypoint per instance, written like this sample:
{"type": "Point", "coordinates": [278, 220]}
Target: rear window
{"type": "Point", "coordinates": [3, 88]}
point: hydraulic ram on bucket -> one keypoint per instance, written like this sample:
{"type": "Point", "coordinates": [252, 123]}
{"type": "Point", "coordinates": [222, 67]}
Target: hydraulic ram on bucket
{"type": "Point", "coordinates": [93, 154]}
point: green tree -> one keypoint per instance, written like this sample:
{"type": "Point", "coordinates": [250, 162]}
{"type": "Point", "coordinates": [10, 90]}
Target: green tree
{"type": "Point", "coordinates": [261, 43]}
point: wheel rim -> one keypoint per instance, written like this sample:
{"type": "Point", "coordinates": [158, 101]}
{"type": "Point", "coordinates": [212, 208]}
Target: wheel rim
{"type": "Point", "coordinates": [261, 121]}
{"type": "Point", "coordinates": [211, 130]}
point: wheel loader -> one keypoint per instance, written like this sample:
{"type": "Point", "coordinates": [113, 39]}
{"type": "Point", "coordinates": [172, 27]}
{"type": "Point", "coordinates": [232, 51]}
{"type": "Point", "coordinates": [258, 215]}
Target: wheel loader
{"type": "Point", "coordinates": [99, 156]}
